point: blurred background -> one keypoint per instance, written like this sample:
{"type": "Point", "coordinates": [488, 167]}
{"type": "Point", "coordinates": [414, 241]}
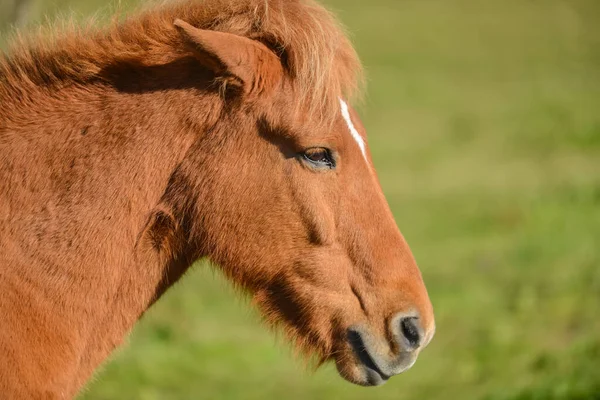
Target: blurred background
{"type": "Point", "coordinates": [484, 123]}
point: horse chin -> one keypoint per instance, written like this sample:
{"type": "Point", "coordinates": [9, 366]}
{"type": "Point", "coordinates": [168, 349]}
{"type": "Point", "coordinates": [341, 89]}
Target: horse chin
{"type": "Point", "coordinates": [363, 375]}
{"type": "Point", "coordinates": [360, 375]}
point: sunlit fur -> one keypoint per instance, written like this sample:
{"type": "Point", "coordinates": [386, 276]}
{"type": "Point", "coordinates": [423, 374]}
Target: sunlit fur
{"type": "Point", "coordinates": [317, 53]}
{"type": "Point", "coordinates": [126, 154]}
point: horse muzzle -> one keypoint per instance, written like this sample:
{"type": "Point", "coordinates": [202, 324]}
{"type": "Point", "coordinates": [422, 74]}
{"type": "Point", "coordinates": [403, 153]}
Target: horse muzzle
{"type": "Point", "coordinates": [373, 360]}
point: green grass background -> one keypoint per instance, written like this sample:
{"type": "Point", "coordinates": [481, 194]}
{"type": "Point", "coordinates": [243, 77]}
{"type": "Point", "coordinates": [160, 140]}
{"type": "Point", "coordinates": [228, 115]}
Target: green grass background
{"type": "Point", "coordinates": [484, 122]}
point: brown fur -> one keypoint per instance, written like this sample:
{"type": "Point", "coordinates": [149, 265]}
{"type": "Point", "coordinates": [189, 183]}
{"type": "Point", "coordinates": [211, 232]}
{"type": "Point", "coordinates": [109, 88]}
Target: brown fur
{"type": "Point", "coordinates": [317, 53]}
{"type": "Point", "coordinates": [177, 134]}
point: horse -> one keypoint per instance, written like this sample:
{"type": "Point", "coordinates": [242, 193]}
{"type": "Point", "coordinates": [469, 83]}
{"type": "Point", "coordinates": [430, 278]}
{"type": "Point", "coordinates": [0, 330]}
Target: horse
{"type": "Point", "coordinates": [216, 129]}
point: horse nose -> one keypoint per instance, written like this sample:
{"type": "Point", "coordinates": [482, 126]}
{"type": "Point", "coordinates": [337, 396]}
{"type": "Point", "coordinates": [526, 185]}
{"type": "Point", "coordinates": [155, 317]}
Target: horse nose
{"type": "Point", "coordinates": [410, 332]}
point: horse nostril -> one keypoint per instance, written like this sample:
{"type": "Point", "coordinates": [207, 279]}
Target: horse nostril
{"type": "Point", "coordinates": [409, 327]}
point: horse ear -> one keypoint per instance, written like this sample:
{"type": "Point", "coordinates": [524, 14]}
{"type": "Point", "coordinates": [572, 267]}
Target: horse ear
{"type": "Point", "coordinates": [231, 56]}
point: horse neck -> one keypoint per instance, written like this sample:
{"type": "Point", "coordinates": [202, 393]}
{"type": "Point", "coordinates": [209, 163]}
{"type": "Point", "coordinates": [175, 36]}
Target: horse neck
{"type": "Point", "coordinates": [95, 165]}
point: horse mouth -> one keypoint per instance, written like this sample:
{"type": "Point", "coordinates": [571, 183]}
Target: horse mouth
{"type": "Point", "coordinates": [374, 375]}
{"type": "Point", "coordinates": [364, 366]}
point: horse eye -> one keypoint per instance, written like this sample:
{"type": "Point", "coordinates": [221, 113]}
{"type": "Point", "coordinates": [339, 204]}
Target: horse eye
{"type": "Point", "coordinates": [319, 157]}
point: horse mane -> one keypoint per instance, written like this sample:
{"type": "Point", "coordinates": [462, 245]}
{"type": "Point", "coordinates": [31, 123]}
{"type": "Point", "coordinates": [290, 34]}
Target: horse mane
{"type": "Point", "coordinates": [312, 45]}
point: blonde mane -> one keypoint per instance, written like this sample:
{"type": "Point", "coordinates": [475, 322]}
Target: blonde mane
{"type": "Point", "coordinates": [311, 43]}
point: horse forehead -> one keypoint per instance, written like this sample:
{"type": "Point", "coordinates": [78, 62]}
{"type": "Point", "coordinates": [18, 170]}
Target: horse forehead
{"type": "Point", "coordinates": [352, 128]}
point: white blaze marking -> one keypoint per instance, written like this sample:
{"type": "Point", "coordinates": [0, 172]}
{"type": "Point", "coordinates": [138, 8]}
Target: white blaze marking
{"type": "Point", "coordinates": [353, 131]}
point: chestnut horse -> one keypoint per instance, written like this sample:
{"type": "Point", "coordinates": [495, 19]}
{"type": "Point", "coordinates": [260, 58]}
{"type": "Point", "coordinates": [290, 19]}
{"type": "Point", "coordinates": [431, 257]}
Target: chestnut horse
{"type": "Point", "coordinates": [214, 129]}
